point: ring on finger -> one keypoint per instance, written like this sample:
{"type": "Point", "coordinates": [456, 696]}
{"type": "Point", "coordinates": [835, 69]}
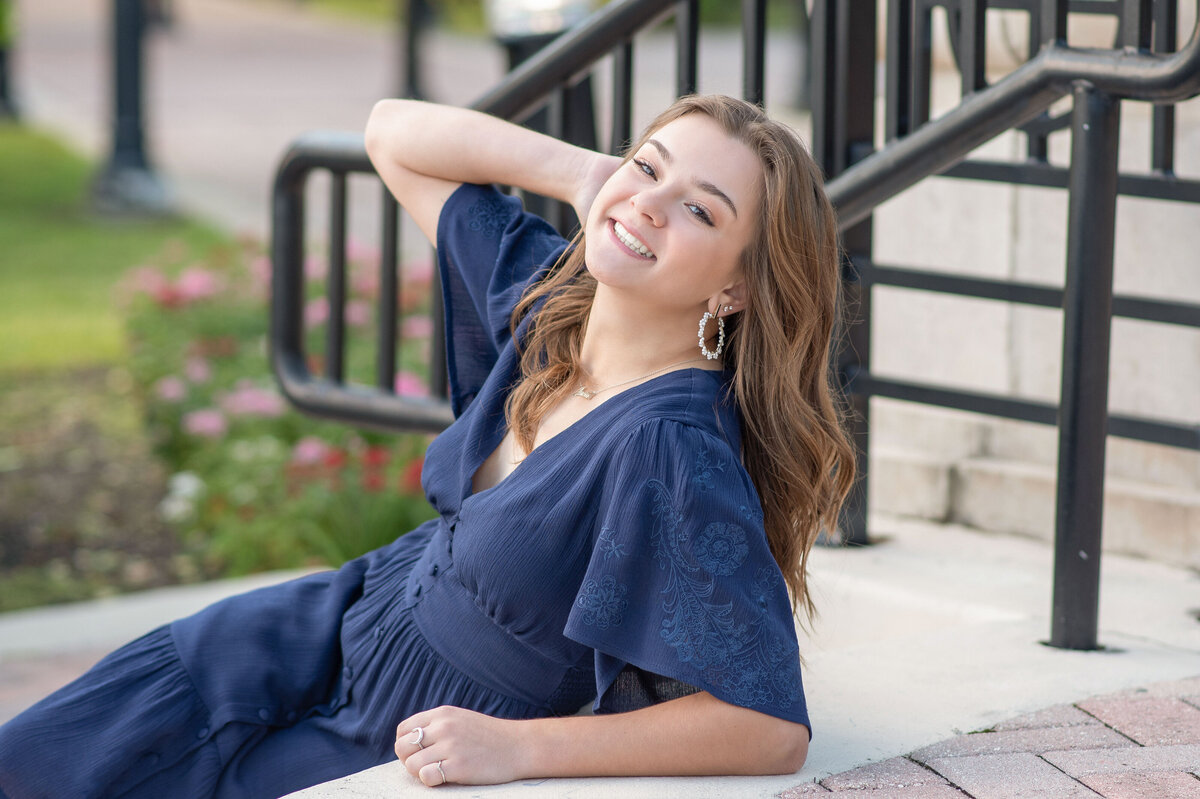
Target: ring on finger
{"type": "Point", "coordinates": [420, 733]}
{"type": "Point", "coordinates": [439, 765]}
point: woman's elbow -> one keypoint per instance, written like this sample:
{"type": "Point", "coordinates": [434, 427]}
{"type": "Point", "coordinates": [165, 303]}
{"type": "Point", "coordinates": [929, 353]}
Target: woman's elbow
{"type": "Point", "coordinates": [790, 749]}
{"type": "Point", "coordinates": [376, 136]}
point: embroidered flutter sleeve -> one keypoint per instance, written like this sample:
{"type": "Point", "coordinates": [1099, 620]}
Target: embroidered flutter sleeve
{"type": "Point", "coordinates": [488, 251]}
{"type": "Point", "coordinates": [681, 584]}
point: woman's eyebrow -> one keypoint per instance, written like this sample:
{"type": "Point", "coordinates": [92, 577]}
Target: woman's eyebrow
{"type": "Point", "coordinates": [703, 185]}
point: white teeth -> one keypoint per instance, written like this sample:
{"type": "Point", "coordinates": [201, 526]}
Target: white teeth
{"type": "Point", "coordinates": [630, 241]}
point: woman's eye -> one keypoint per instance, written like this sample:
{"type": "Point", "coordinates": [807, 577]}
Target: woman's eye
{"type": "Point", "coordinates": [644, 166]}
{"type": "Point", "coordinates": [701, 213]}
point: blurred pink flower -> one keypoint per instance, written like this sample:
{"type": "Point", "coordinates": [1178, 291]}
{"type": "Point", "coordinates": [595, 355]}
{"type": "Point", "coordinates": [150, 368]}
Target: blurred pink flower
{"type": "Point", "coordinates": [416, 326]}
{"type": "Point", "coordinates": [198, 283]}
{"type": "Point", "coordinates": [316, 311]}
{"type": "Point", "coordinates": [358, 252]}
{"type": "Point", "coordinates": [418, 272]}
{"type": "Point", "coordinates": [260, 273]}
{"type": "Point", "coordinates": [195, 283]}
{"type": "Point", "coordinates": [248, 399]}
{"type": "Point", "coordinates": [197, 370]}
{"type": "Point", "coordinates": [146, 280]}
{"type": "Point", "coordinates": [315, 267]}
{"type": "Point", "coordinates": [358, 313]}
{"type": "Point", "coordinates": [170, 389]}
{"type": "Point", "coordinates": [205, 423]}
{"type": "Point", "coordinates": [411, 385]}
{"type": "Point", "coordinates": [365, 283]}
{"type": "Point", "coordinates": [310, 451]}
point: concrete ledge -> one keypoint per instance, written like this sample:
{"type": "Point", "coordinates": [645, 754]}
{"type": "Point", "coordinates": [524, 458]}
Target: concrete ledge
{"type": "Point", "coordinates": [933, 632]}
{"type": "Point", "coordinates": [104, 624]}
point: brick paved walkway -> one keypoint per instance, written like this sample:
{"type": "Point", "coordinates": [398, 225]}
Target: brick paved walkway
{"type": "Point", "coordinates": [1141, 744]}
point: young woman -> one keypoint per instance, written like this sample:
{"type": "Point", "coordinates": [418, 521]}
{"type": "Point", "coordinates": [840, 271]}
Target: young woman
{"type": "Point", "coordinates": [646, 446]}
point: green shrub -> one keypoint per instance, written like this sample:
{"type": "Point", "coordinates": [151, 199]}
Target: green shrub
{"type": "Point", "coordinates": [262, 486]}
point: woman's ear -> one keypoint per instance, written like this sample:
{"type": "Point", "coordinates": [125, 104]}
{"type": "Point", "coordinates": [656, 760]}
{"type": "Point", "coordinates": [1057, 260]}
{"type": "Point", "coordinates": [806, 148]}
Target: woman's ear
{"type": "Point", "coordinates": [731, 299]}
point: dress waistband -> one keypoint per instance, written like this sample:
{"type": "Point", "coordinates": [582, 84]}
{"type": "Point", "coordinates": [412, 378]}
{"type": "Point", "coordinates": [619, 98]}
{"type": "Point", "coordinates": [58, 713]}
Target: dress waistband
{"type": "Point", "coordinates": [453, 623]}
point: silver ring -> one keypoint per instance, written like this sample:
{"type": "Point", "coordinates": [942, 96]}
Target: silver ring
{"type": "Point", "coordinates": [420, 731]}
{"type": "Point", "coordinates": [439, 765]}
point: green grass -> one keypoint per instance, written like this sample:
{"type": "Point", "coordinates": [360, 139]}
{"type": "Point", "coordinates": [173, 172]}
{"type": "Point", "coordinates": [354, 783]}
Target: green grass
{"type": "Point", "coordinates": [468, 15]}
{"type": "Point", "coordinates": [59, 262]}
{"type": "Point", "coordinates": [462, 15]}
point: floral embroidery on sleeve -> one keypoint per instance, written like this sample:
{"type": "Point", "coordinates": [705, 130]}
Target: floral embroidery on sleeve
{"type": "Point", "coordinates": [609, 545]}
{"type": "Point", "coordinates": [603, 602]}
{"type": "Point", "coordinates": [720, 548]}
{"type": "Point", "coordinates": [703, 473]}
{"type": "Point", "coordinates": [487, 214]}
{"type": "Point", "coordinates": [757, 667]}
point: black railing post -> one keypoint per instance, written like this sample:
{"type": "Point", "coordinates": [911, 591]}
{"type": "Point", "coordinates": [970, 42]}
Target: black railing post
{"type": "Point", "coordinates": [843, 106]}
{"type": "Point", "coordinates": [415, 18]}
{"type": "Point", "coordinates": [569, 113]}
{"type": "Point", "coordinates": [1087, 324]}
{"type": "Point", "coordinates": [128, 183]}
{"type": "Point", "coordinates": [8, 107]}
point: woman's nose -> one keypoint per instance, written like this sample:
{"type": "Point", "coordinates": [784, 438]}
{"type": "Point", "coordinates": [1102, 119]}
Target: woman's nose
{"type": "Point", "coordinates": [649, 205]}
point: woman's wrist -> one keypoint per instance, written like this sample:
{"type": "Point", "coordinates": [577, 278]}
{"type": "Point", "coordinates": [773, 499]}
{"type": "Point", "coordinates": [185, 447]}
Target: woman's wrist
{"type": "Point", "coordinates": [593, 170]}
{"type": "Point", "coordinates": [532, 747]}
{"type": "Point", "coordinates": [467, 146]}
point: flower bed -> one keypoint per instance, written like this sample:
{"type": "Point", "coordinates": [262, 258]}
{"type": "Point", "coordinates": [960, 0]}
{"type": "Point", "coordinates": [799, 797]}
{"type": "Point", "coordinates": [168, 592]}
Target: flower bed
{"type": "Point", "coordinates": [258, 484]}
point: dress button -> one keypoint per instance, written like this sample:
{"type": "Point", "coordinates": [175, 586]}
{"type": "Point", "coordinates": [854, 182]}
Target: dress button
{"type": "Point", "coordinates": [434, 570]}
{"type": "Point", "coordinates": [348, 673]}
{"type": "Point", "coordinates": [202, 733]}
{"type": "Point", "coordinates": [264, 714]}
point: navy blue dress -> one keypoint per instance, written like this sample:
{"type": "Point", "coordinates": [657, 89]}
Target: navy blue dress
{"type": "Point", "coordinates": [631, 541]}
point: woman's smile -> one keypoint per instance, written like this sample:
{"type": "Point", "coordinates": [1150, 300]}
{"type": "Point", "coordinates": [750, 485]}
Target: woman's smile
{"type": "Point", "coordinates": [631, 242]}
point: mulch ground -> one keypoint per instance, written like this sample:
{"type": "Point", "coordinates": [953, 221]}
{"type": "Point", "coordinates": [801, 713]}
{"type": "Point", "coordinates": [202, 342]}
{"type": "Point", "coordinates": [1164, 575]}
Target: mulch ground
{"type": "Point", "coordinates": [79, 492]}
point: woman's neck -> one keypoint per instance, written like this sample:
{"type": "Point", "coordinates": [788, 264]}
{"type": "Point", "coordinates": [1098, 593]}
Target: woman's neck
{"type": "Point", "coordinates": [625, 339]}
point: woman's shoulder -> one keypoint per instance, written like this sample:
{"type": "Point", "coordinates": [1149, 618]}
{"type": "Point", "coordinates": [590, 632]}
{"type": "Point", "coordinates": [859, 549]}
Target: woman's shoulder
{"type": "Point", "coordinates": [691, 408]}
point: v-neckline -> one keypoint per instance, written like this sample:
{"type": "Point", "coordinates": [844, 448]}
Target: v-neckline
{"type": "Point", "coordinates": [477, 463]}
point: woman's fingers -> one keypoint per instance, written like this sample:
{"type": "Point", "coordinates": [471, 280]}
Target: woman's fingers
{"type": "Point", "coordinates": [410, 740]}
{"type": "Point", "coordinates": [470, 748]}
{"type": "Point", "coordinates": [433, 774]}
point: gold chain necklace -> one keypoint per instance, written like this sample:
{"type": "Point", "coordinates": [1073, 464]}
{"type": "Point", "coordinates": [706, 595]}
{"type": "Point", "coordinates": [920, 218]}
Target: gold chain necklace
{"type": "Point", "coordinates": [587, 394]}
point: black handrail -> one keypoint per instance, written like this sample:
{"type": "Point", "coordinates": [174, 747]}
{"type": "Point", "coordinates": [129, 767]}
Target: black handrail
{"type": "Point", "coordinates": [340, 153]}
{"type": "Point", "coordinates": [569, 55]}
{"type": "Point", "coordinates": [843, 142]}
{"type": "Point", "coordinates": [1020, 96]}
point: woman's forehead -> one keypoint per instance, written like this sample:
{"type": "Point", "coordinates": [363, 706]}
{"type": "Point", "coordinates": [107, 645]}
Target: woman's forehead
{"type": "Point", "coordinates": [698, 145]}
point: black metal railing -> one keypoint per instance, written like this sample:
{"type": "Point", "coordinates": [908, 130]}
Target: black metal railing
{"type": "Point", "coordinates": [1096, 79]}
{"type": "Point", "coordinates": [1141, 65]}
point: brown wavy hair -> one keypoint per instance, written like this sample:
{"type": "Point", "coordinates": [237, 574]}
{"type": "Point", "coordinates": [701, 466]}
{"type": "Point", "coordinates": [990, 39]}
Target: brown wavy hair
{"type": "Point", "coordinates": [778, 348]}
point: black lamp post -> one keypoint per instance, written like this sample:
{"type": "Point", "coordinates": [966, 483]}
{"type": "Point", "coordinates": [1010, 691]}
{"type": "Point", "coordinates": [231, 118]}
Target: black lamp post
{"type": "Point", "coordinates": [523, 27]}
{"type": "Point", "coordinates": [127, 184]}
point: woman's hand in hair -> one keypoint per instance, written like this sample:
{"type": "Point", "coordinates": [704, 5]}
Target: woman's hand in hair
{"type": "Point", "coordinates": [594, 172]}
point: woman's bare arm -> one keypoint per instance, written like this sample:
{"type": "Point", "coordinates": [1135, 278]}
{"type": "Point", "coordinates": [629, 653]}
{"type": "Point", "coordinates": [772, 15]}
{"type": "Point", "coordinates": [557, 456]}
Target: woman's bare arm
{"type": "Point", "coordinates": [694, 735]}
{"type": "Point", "coordinates": [423, 151]}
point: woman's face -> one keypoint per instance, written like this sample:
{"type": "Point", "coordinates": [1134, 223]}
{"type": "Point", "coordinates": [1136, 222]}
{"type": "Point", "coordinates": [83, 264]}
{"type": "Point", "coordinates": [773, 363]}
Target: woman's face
{"type": "Point", "coordinates": [672, 222]}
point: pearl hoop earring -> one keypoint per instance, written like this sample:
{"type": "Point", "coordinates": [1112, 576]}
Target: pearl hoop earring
{"type": "Point", "coordinates": [704, 350]}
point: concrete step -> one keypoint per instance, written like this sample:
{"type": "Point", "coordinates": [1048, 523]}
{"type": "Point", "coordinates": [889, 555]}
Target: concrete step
{"type": "Point", "coordinates": [1142, 519]}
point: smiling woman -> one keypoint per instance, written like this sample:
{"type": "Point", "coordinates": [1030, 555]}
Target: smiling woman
{"type": "Point", "coordinates": [622, 510]}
